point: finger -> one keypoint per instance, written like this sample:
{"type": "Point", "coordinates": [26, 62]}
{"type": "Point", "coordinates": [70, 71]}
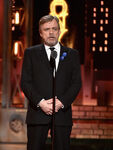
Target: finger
{"type": "Point", "coordinates": [50, 113]}
{"type": "Point", "coordinates": [49, 101]}
{"type": "Point", "coordinates": [56, 109]}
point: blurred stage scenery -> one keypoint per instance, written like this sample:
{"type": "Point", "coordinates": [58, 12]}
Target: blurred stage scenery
{"type": "Point", "coordinates": [86, 25]}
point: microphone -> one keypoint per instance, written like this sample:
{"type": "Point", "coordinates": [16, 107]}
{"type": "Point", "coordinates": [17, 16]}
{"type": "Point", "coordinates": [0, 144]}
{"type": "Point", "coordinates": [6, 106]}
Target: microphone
{"type": "Point", "coordinates": [54, 54]}
{"type": "Point", "coordinates": [52, 59]}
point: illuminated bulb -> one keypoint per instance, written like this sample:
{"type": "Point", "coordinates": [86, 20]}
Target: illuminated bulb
{"type": "Point", "coordinates": [100, 48]}
{"type": "Point", "coordinates": [106, 35]}
{"type": "Point", "coordinates": [106, 14]}
{"type": "Point", "coordinates": [101, 28]}
{"type": "Point", "coordinates": [94, 14]}
{"type": "Point", "coordinates": [94, 35]}
{"type": "Point", "coordinates": [106, 42]}
{"type": "Point", "coordinates": [15, 48]}
{"type": "Point", "coordinates": [94, 21]}
{"type": "Point", "coordinates": [106, 9]}
{"type": "Point", "coordinates": [13, 21]}
{"type": "Point", "coordinates": [93, 49]}
{"type": "Point", "coordinates": [105, 49]}
{"type": "Point", "coordinates": [94, 42]}
{"type": "Point", "coordinates": [94, 9]}
{"type": "Point", "coordinates": [101, 21]}
{"type": "Point", "coordinates": [17, 17]}
{"type": "Point", "coordinates": [102, 2]}
{"type": "Point", "coordinates": [102, 9]}
{"type": "Point", "coordinates": [13, 28]}
{"type": "Point", "coordinates": [106, 21]}
{"type": "Point", "coordinates": [13, 6]}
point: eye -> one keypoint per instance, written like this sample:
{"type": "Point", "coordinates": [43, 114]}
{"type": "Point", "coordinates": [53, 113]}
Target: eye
{"type": "Point", "coordinates": [46, 29]}
{"type": "Point", "coordinates": [55, 29]}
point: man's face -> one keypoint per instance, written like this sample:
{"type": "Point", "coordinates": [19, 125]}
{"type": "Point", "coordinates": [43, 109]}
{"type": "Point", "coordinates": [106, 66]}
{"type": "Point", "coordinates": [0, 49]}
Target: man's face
{"type": "Point", "coordinates": [50, 32]}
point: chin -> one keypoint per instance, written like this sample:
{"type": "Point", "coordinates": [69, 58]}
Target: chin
{"type": "Point", "coordinates": [51, 43]}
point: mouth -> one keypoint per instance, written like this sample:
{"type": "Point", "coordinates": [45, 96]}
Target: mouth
{"type": "Point", "coordinates": [51, 37]}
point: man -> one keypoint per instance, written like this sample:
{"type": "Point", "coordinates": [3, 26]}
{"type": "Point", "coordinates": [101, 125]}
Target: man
{"type": "Point", "coordinates": [36, 83]}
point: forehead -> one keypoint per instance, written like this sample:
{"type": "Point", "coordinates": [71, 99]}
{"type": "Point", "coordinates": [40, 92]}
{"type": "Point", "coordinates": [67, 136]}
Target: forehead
{"type": "Point", "coordinates": [52, 23]}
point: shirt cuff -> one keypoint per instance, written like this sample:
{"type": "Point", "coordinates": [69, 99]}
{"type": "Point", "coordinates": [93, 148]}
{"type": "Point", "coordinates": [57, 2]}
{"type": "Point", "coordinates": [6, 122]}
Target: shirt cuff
{"type": "Point", "coordinates": [62, 107]}
{"type": "Point", "coordinates": [40, 101]}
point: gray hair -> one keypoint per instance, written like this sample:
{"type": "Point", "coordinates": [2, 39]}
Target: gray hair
{"type": "Point", "coordinates": [48, 18]}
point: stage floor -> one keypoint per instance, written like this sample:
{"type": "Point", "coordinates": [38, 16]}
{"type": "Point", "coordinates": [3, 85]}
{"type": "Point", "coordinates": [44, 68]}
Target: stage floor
{"type": "Point", "coordinates": [76, 144]}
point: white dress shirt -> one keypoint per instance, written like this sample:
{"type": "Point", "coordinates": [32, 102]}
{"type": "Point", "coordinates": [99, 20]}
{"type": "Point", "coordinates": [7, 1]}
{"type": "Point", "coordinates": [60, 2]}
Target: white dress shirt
{"type": "Point", "coordinates": [57, 49]}
{"type": "Point", "coordinates": [48, 51]}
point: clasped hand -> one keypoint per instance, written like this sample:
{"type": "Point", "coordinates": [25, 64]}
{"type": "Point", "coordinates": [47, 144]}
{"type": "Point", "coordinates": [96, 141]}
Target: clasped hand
{"type": "Point", "coordinates": [47, 106]}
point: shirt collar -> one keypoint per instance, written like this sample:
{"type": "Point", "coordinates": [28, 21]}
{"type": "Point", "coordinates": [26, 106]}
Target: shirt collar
{"type": "Point", "coordinates": [57, 46]}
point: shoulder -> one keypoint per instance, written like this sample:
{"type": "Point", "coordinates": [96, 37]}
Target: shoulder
{"type": "Point", "coordinates": [34, 48]}
{"type": "Point", "coordinates": [72, 54]}
{"type": "Point", "coordinates": [70, 51]}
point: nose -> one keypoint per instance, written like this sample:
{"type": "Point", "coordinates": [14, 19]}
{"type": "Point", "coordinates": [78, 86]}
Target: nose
{"type": "Point", "coordinates": [51, 31]}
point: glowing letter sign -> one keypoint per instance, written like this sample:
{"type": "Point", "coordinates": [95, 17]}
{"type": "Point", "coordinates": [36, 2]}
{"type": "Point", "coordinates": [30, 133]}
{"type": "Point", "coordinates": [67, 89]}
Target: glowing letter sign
{"type": "Point", "coordinates": [61, 15]}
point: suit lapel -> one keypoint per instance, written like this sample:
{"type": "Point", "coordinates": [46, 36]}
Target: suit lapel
{"type": "Point", "coordinates": [63, 49]}
{"type": "Point", "coordinates": [43, 57]}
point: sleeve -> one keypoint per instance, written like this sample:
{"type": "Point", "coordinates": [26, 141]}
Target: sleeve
{"type": "Point", "coordinates": [27, 82]}
{"type": "Point", "coordinates": [69, 96]}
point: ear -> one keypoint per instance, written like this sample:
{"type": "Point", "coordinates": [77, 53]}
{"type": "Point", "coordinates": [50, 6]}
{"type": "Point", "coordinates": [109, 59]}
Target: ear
{"type": "Point", "coordinates": [40, 34]}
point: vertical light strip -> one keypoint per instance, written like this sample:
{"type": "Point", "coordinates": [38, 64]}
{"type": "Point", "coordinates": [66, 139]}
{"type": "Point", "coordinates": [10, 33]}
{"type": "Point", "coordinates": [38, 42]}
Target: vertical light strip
{"type": "Point", "coordinates": [104, 20]}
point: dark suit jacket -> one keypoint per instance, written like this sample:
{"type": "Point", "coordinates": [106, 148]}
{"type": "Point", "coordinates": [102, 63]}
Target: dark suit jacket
{"type": "Point", "coordinates": [36, 83]}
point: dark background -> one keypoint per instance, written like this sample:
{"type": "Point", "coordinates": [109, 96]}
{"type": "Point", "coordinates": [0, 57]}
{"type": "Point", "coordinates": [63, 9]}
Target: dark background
{"type": "Point", "coordinates": [75, 22]}
{"type": "Point", "coordinates": [76, 25]}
